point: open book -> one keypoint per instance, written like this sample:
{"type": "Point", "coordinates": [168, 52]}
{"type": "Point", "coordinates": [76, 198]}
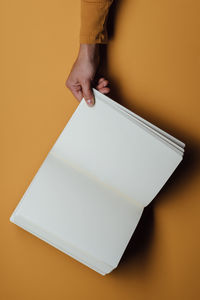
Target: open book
{"type": "Point", "coordinates": [88, 195]}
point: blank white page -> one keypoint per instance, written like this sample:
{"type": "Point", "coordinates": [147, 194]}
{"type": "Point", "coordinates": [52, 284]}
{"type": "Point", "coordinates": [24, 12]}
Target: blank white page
{"type": "Point", "coordinates": [77, 215]}
{"type": "Point", "coordinates": [117, 151]}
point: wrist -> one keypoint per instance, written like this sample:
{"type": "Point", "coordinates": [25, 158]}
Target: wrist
{"type": "Point", "coordinates": [88, 51]}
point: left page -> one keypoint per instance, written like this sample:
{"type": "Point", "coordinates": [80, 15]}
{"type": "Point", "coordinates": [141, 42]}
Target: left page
{"type": "Point", "coordinates": [77, 215]}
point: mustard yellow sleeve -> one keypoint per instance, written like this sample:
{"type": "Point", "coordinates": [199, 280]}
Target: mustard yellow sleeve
{"type": "Point", "coordinates": [93, 21]}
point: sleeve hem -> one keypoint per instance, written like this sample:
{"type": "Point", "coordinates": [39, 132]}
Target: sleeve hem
{"type": "Point", "coordinates": [92, 39]}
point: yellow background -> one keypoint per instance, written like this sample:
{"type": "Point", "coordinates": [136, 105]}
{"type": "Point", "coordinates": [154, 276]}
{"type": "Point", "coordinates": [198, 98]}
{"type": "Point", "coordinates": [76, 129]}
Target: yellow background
{"type": "Point", "coordinates": [153, 65]}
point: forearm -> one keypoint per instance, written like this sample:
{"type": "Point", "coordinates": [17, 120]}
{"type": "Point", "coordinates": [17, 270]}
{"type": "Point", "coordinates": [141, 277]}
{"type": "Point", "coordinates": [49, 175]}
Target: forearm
{"type": "Point", "coordinates": [93, 32]}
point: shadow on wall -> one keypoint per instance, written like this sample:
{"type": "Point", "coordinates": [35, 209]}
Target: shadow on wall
{"type": "Point", "coordinates": [140, 242]}
{"type": "Point", "coordinates": [142, 239]}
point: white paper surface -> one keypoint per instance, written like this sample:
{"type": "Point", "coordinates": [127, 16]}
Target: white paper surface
{"type": "Point", "coordinates": [117, 151]}
{"type": "Point", "coordinates": [78, 211]}
{"type": "Point", "coordinates": [88, 195]}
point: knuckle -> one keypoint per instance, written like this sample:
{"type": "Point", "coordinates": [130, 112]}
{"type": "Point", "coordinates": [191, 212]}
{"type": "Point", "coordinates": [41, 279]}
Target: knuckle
{"type": "Point", "coordinates": [87, 94]}
{"type": "Point", "coordinates": [87, 97]}
{"type": "Point", "coordinates": [86, 82]}
{"type": "Point", "coordinates": [67, 83]}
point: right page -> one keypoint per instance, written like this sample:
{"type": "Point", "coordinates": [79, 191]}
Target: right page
{"type": "Point", "coordinates": [118, 150]}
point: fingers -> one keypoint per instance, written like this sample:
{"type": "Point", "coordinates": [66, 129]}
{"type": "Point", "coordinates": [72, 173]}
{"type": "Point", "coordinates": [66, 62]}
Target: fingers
{"type": "Point", "coordinates": [77, 94]}
{"type": "Point", "coordinates": [101, 79]}
{"type": "Point", "coordinates": [102, 86]}
{"type": "Point", "coordinates": [88, 93]}
{"type": "Point", "coordinates": [105, 90]}
{"type": "Point", "coordinates": [102, 83]}
{"type": "Point", "coordinates": [75, 89]}
{"type": "Point", "coordinates": [84, 89]}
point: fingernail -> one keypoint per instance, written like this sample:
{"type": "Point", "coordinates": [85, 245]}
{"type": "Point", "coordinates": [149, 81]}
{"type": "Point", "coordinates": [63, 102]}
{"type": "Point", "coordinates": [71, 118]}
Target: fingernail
{"type": "Point", "coordinates": [90, 102]}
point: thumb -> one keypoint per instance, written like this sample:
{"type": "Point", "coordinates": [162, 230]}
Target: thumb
{"type": "Point", "coordinates": [88, 93]}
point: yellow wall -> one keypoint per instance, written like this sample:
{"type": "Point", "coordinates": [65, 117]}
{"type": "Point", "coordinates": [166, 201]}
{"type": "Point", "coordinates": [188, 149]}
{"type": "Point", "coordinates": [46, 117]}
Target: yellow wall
{"type": "Point", "coordinates": [153, 62]}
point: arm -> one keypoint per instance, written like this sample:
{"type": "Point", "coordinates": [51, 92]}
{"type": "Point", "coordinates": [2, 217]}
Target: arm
{"type": "Point", "coordinates": [94, 15]}
{"type": "Point", "coordinates": [93, 32]}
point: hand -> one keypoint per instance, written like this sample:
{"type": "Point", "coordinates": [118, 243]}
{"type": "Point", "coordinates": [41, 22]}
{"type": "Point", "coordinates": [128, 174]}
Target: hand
{"type": "Point", "coordinates": [83, 72]}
